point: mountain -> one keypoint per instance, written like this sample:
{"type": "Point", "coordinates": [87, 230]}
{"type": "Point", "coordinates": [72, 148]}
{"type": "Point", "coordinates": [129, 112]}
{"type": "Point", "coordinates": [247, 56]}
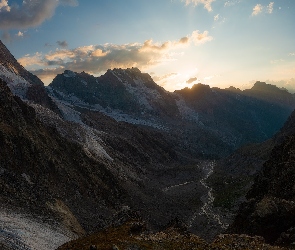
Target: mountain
{"type": "Point", "coordinates": [84, 170]}
{"type": "Point", "coordinates": [239, 116]}
{"type": "Point", "coordinates": [41, 171]}
{"type": "Point", "coordinates": [271, 93]}
{"type": "Point", "coordinates": [208, 121]}
{"type": "Point", "coordinates": [269, 208]}
{"type": "Point", "coordinates": [8, 61]}
{"type": "Point", "coordinates": [87, 153]}
{"type": "Point", "coordinates": [22, 82]}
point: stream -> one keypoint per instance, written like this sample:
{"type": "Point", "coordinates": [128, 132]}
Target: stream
{"type": "Point", "coordinates": [207, 210]}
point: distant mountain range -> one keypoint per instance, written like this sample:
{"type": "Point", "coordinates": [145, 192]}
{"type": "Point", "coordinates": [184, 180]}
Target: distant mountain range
{"type": "Point", "coordinates": [89, 152]}
{"type": "Point", "coordinates": [213, 121]}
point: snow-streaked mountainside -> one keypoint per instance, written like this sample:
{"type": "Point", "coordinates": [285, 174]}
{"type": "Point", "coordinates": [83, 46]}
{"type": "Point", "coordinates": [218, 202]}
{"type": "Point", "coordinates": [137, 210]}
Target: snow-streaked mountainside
{"type": "Point", "coordinates": [88, 152]}
{"type": "Point", "coordinates": [18, 85]}
{"type": "Point", "coordinates": [24, 232]}
{"type": "Point", "coordinates": [227, 118]}
{"type": "Point", "coordinates": [8, 61]}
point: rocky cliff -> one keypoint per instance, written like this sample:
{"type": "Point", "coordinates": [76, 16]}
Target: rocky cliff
{"type": "Point", "coordinates": [208, 121]}
{"type": "Point", "coordinates": [269, 209]}
{"type": "Point", "coordinates": [21, 82]}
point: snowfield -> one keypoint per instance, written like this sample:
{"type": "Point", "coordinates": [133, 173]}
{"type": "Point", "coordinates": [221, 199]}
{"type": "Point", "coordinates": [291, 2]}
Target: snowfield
{"type": "Point", "coordinates": [18, 85]}
{"type": "Point", "coordinates": [22, 232]}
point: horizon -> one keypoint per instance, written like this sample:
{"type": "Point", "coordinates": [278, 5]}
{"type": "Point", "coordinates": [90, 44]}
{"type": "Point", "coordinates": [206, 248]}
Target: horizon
{"type": "Point", "coordinates": [194, 84]}
{"type": "Point", "coordinates": [220, 43]}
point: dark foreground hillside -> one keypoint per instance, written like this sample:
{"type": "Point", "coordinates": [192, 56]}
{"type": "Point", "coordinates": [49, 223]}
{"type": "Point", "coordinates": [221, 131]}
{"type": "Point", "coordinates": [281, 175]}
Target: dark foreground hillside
{"type": "Point", "coordinates": [43, 172]}
{"type": "Point", "coordinates": [269, 210]}
{"type": "Point", "coordinates": [132, 236]}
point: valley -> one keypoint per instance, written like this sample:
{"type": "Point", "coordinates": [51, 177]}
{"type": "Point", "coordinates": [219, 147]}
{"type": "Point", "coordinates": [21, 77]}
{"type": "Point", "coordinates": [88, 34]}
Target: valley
{"type": "Point", "coordinates": [88, 155]}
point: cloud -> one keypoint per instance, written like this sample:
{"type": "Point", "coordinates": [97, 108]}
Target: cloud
{"type": "Point", "coordinates": [32, 13]}
{"type": "Point", "coordinates": [6, 37]}
{"type": "Point", "coordinates": [191, 80]}
{"type": "Point", "coordinates": [20, 34]}
{"type": "Point", "coordinates": [277, 61]}
{"type": "Point", "coordinates": [257, 9]}
{"type": "Point", "coordinates": [231, 3]}
{"type": "Point", "coordinates": [291, 54]}
{"type": "Point", "coordinates": [28, 60]}
{"type": "Point", "coordinates": [206, 3]}
{"type": "Point", "coordinates": [48, 45]}
{"type": "Point", "coordinates": [207, 78]}
{"type": "Point", "coordinates": [4, 6]}
{"type": "Point", "coordinates": [164, 77]}
{"type": "Point", "coordinates": [184, 40]}
{"type": "Point", "coordinates": [270, 7]}
{"type": "Point", "coordinates": [96, 59]}
{"type": "Point", "coordinates": [260, 8]}
{"type": "Point", "coordinates": [62, 44]}
{"type": "Point", "coordinates": [200, 38]}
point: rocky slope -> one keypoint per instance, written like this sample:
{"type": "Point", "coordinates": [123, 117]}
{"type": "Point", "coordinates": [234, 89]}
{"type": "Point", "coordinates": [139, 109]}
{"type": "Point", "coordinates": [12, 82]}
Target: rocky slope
{"type": "Point", "coordinates": [21, 82]}
{"type": "Point", "coordinates": [44, 173]}
{"type": "Point", "coordinates": [234, 175]}
{"type": "Point", "coordinates": [8, 61]}
{"type": "Point", "coordinates": [86, 178]}
{"type": "Point", "coordinates": [269, 209]}
{"type": "Point", "coordinates": [132, 235]}
{"type": "Point", "coordinates": [97, 151]}
{"type": "Point", "coordinates": [208, 121]}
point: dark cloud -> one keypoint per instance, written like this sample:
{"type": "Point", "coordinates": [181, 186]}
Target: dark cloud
{"type": "Point", "coordinates": [48, 45]}
{"type": "Point", "coordinates": [62, 44]}
{"type": "Point", "coordinates": [191, 80]}
{"type": "Point", "coordinates": [32, 13]}
{"type": "Point", "coordinates": [184, 40]}
{"type": "Point", "coordinates": [6, 37]}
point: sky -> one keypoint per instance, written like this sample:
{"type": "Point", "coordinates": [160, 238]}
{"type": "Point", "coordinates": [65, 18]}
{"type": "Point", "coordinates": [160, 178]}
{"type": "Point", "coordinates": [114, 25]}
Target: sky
{"type": "Point", "coordinates": [180, 43]}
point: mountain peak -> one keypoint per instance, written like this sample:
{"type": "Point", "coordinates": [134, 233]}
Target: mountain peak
{"type": "Point", "coordinates": [9, 62]}
{"type": "Point", "coordinates": [263, 86]}
{"type": "Point", "coordinates": [69, 73]}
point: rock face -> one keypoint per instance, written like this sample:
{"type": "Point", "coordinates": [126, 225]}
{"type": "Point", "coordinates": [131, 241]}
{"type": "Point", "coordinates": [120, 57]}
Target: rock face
{"type": "Point", "coordinates": [234, 175]}
{"type": "Point", "coordinates": [22, 82]}
{"type": "Point", "coordinates": [39, 167]}
{"type": "Point", "coordinates": [90, 152]}
{"type": "Point", "coordinates": [9, 62]}
{"type": "Point", "coordinates": [210, 121]}
{"type": "Point", "coordinates": [269, 210]}
{"type": "Point", "coordinates": [271, 93]}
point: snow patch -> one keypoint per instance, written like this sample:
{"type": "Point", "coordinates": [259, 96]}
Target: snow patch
{"type": "Point", "coordinates": [186, 112]}
{"type": "Point", "coordinates": [92, 144]}
{"type": "Point", "coordinates": [22, 232]}
{"type": "Point", "coordinates": [144, 95]}
{"type": "Point", "coordinates": [73, 129]}
{"type": "Point", "coordinates": [18, 85]}
{"type": "Point", "coordinates": [71, 101]}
